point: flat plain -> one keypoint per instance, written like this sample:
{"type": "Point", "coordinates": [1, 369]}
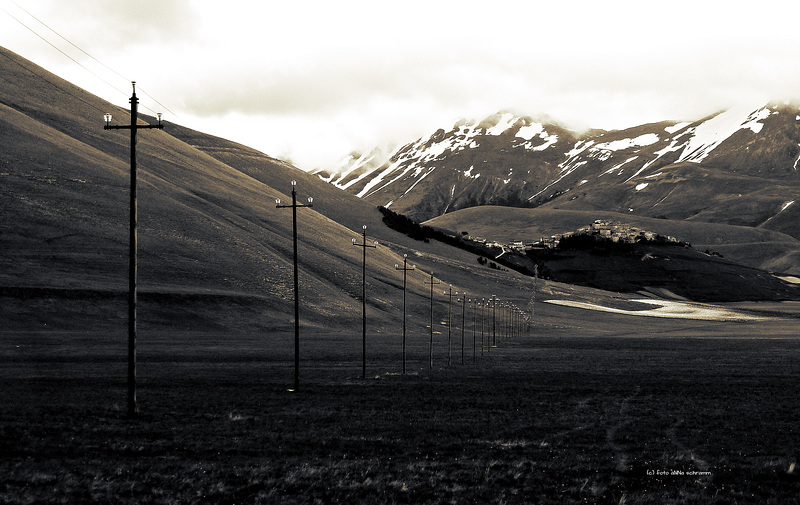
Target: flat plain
{"type": "Point", "coordinates": [585, 407]}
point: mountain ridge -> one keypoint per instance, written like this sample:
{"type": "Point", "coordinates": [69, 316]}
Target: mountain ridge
{"type": "Point", "coordinates": [751, 155]}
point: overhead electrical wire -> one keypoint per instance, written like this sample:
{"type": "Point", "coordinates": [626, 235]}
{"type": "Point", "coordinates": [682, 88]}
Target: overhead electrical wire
{"type": "Point", "coordinates": [42, 77]}
{"type": "Point", "coordinates": [84, 52]}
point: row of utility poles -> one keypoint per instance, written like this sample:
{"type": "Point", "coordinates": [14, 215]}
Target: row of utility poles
{"type": "Point", "coordinates": [512, 320]}
{"type": "Point", "coordinates": [505, 318]}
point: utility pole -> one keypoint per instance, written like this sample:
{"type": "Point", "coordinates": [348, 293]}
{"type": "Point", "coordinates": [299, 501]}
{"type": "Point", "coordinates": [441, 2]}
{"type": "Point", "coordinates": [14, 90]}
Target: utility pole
{"type": "Point", "coordinates": [450, 327]}
{"type": "Point", "coordinates": [503, 321]}
{"type": "Point", "coordinates": [495, 300]}
{"type": "Point", "coordinates": [132, 244]}
{"type": "Point", "coordinates": [432, 283]}
{"type": "Point", "coordinates": [463, 321]}
{"type": "Point", "coordinates": [474, 304]}
{"type": "Point", "coordinates": [483, 310]}
{"type": "Point", "coordinates": [363, 245]}
{"type": "Point", "coordinates": [488, 316]}
{"type": "Point", "coordinates": [405, 270]}
{"type": "Point", "coordinates": [294, 207]}
{"type": "Point", "coordinates": [532, 304]}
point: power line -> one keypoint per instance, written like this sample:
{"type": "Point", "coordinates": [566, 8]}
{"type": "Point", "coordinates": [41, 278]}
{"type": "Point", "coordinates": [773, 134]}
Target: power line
{"type": "Point", "coordinates": [40, 76]}
{"type": "Point", "coordinates": [60, 50]}
{"type": "Point", "coordinates": [84, 52]}
{"type": "Point", "coordinates": [70, 42]}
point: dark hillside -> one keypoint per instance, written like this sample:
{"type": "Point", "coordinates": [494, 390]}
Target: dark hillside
{"type": "Point", "coordinates": [204, 226]}
{"type": "Point", "coordinates": [754, 247]}
{"type": "Point", "coordinates": [682, 271]}
{"type": "Point", "coordinates": [636, 263]}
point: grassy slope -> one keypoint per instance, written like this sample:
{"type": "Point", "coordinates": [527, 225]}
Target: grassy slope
{"type": "Point", "coordinates": [203, 226]}
{"type": "Point", "coordinates": [214, 250]}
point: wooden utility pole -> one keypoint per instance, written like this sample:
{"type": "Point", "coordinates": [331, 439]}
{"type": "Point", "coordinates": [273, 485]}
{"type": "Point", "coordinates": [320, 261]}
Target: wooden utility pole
{"type": "Point", "coordinates": [433, 282]}
{"type": "Point", "coordinates": [132, 245]}
{"type": "Point", "coordinates": [364, 247]}
{"type": "Point", "coordinates": [405, 268]}
{"type": "Point", "coordinates": [294, 207]}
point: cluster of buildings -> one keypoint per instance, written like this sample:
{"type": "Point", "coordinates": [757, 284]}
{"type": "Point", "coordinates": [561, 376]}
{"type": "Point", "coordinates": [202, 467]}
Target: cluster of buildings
{"type": "Point", "coordinates": [613, 231]}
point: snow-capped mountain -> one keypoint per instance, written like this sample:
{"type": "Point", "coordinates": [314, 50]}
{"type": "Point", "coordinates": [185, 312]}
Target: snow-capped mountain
{"type": "Point", "coordinates": [354, 167]}
{"type": "Point", "coordinates": [740, 166]}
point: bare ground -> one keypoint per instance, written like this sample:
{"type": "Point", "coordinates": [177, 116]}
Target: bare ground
{"type": "Point", "coordinates": [676, 412]}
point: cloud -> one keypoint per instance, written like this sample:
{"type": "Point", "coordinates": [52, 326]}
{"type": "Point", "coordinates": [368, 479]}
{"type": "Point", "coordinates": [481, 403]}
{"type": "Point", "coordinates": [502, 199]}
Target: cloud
{"type": "Point", "coordinates": [315, 80]}
{"type": "Point", "coordinates": [117, 25]}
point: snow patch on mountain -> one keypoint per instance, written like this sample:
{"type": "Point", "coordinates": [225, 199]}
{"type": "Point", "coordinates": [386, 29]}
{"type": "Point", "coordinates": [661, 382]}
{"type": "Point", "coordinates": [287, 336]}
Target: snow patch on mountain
{"type": "Point", "coordinates": [506, 121]}
{"type": "Point", "coordinates": [573, 156]}
{"type": "Point", "coordinates": [359, 164]}
{"type": "Point", "coordinates": [420, 179]}
{"type": "Point", "coordinates": [377, 180]}
{"type": "Point", "coordinates": [572, 163]}
{"type": "Point", "coordinates": [618, 166]}
{"type": "Point", "coordinates": [528, 132]}
{"type": "Point", "coordinates": [468, 173]}
{"type": "Point", "coordinates": [617, 145]}
{"type": "Point", "coordinates": [711, 133]}
{"type": "Point", "coordinates": [675, 145]}
{"type": "Point", "coordinates": [605, 150]}
{"type": "Point", "coordinates": [677, 127]}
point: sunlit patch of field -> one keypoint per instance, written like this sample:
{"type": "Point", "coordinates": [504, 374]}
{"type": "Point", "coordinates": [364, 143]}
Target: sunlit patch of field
{"type": "Point", "coordinates": [671, 309]}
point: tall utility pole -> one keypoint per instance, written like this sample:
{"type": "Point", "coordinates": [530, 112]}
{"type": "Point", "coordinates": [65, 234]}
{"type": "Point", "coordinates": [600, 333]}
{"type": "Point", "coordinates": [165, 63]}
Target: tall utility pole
{"type": "Point", "coordinates": [503, 321]}
{"type": "Point", "coordinates": [450, 327]}
{"type": "Point", "coordinates": [495, 300]}
{"type": "Point", "coordinates": [474, 304]}
{"type": "Point", "coordinates": [432, 283]}
{"type": "Point", "coordinates": [363, 245]}
{"type": "Point", "coordinates": [463, 321]}
{"type": "Point", "coordinates": [532, 304]}
{"type": "Point", "coordinates": [488, 317]}
{"type": "Point", "coordinates": [294, 207]}
{"type": "Point", "coordinates": [482, 306]}
{"type": "Point", "coordinates": [132, 244]}
{"type": "Point", "coordinates": [405, 270]}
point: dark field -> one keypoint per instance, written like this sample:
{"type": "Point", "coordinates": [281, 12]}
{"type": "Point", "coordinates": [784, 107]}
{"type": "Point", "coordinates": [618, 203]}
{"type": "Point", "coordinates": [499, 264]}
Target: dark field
{"type": "Point", "coordinates": [674, 412]}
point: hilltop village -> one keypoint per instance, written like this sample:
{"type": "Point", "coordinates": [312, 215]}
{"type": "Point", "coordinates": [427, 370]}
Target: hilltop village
{"type": "Point", "coordinates": [600, 230]}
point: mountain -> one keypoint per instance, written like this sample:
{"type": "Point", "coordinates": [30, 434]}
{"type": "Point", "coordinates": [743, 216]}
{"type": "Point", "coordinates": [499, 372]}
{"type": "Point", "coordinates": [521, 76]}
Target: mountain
{"type": "Point", "coordinates": [354, 167]}
{"type": "Point", "coordinates": [737, 167]}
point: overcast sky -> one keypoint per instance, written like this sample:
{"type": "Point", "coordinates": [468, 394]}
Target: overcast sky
{"type": "Point", "coordinates": [311, 81]}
